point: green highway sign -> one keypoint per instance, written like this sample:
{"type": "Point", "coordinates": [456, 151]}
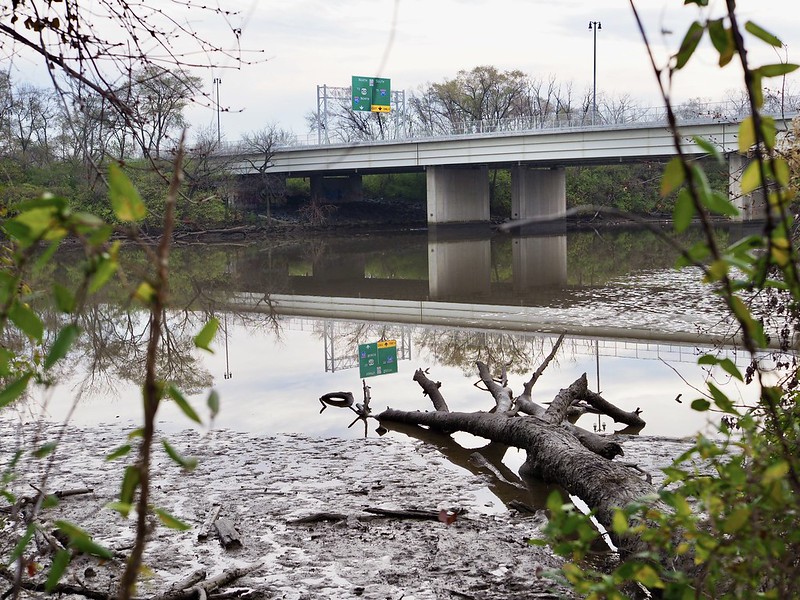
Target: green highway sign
{"type": "Point", "coordinates": [371, 94]}
{"type": "Point", "coordinates": [378, 358]}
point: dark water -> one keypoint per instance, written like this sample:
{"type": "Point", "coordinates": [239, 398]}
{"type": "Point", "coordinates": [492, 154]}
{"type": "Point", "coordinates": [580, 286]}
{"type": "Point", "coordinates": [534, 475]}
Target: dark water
{"type": "Point", "coordinates": [293, 312]}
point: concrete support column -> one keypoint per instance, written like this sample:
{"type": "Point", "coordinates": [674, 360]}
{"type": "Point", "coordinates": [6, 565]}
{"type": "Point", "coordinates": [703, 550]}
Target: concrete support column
{"type": "Point", "coordinates": [539, 262]}
{"type": "Point", "coordinates": [751, 206]}
{"type": "Point", "coordinates": [458, 195]}
{"type": "Point", "coordinates": [459, 268]}
{"type": "Point", "coordinates": [537, 192]}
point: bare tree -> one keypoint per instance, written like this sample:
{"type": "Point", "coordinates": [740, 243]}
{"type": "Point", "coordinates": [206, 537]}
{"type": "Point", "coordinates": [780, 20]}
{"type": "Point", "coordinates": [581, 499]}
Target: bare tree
{"type": "Point", "coordinates": [259, 147]}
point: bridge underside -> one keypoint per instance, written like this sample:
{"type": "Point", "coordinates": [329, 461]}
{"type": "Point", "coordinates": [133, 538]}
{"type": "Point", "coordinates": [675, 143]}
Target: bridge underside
{"type": "Point", "coordinates": [460, 194]}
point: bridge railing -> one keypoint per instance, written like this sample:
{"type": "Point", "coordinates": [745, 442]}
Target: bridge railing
{"type": "Point", "coordinates": [609, 118]}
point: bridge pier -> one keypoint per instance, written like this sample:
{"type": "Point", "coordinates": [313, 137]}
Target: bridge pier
{"type": "Point", "coordinates": [349, 188]}
{"type": "Point", "coordinates": [537, 192]}
{"type": "Point", "coordinates": [458, 195]}
{"type": "Point", "coordinates": [751, 206]}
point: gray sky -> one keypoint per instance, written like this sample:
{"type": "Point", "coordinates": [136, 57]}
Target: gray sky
{"type": "Point", "coordinates": [315, 42]}
{"type": "Point", "coordinates": [305, 43]}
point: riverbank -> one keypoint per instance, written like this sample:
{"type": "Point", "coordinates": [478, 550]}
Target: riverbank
{"type": "Point", "coordinates": [263, 485]}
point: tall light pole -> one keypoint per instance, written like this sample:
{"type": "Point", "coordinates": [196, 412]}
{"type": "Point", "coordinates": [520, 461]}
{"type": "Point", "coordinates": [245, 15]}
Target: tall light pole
{"type": "Point", "coordinates": [594, 26]}
{"type": "Point", "coordinates": [217, 81]}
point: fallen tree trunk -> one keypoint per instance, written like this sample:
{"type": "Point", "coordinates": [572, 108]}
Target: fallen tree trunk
{"type": "Point", "coordinates": [553, 455]}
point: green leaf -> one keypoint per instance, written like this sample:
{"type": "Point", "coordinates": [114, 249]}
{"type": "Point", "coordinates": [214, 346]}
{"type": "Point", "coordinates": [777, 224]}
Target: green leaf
{"type": "Point", "coordinates": [27, 321]}
{"type": "Point", "coordinates": [648, 577]}
{"type": "Point", "coordinates": [145, 293]}
{"type": "Point", "coordinates": [619, 523]}
{"type": "Point", "coordinates": [701, 405]}
{"type": "Point", "coordinates": [769, 131]}
{"type": "Point", "coordinates": [23, 542]}
{"type": "Point", "coordinates": [106, 267]}
{"type": "Point", "coordinates": [183, 404]}
{"type": "Point", "coordinates": [730, 368]}
{"type": "Point", "coordinates": [130, 481]}
{"type": "Point", "coordinates": [775, 472]}
{"type": "Point", "coordinates": [120, 507]}
{"type": "Point", "coordinates": [684, 211]}
{"type": "Point", "coordinates": [213, 403]}
{"type": "Point", "coordinates": [722, 39]}
{"type": "Point", "coordinates": [747, 135]}
{"type": "Point", "coordinates": [689, 44]}
{"type": "Point", "coordinates": [187, 463]}
{"type": "Point", "coordinates": [82, 541]}
{"type": "Point", "coordinates": [46, 200]}
{"type": "Point", "coordinates": [64, 299]}
{"type": "Point", "coordinates": [20, 232]}
{"type": "Point", "coordinates": [60, 564]}
{"type": "Point", "coordinates": [125, 199]}
{"type": "Point", "coordinates": [136, 433]}
{"type": "Point", "coordinates": [206, 335]}
{"type": "Point", "coordinates": [5, 362]}
{"type": "Point", "coordinates": [751, 178]}
{"type": "Point", "coordinates": [45, 450]}
{"type": "Point", "coordinates": [123, 450]}
{"type": "Point", "coordinates": [708, 148]}
{"type": "Point", "coordinates": [781, 171]}
{"type": "Point", "coordinates": [777, 70]}
{"type": "Point", "coordinates": [673, 177]}
{"type": "Point", "coordinates": [737, 519]}
{"type": "Point", "coordinates": [719, 204]}
{"type": "Point", "coordinates": [45, 256]}
{"type": "Point", "coordinates": [64, 340]}
{"type": "Point", "coordinates": [762, 34]}
{"type": "Point", "coordinates": [14, 390]}
{"type": "Point", "coordinates": [50, 501]}
{"type": "Point", "coordinates": [721, 399]}
{"type": "Point", "coordinates": [171, 521]}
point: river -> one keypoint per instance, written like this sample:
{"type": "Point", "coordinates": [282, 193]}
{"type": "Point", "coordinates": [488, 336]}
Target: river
{"type": "Point", "coordinates": [293, 312]}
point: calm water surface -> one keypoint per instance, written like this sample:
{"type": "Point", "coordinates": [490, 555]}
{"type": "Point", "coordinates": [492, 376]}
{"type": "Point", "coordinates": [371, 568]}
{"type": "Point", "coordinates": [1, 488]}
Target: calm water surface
{"type": "Point", "coordinates": [293, 312]}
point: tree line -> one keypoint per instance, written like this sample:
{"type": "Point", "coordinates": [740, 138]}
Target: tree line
{"type": "Point", "coordinates": [60, 140]}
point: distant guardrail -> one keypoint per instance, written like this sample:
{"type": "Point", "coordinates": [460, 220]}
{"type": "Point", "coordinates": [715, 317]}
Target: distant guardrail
{"type": "Point", "coordinates": [398, 130]}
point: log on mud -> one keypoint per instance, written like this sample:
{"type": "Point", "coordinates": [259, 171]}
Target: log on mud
{"type": "Point", "coordinates": [554, 455]}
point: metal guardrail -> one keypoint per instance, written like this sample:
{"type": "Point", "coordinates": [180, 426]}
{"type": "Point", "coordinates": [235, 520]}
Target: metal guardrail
{"type": "Point", "coordinates": [719, 111]}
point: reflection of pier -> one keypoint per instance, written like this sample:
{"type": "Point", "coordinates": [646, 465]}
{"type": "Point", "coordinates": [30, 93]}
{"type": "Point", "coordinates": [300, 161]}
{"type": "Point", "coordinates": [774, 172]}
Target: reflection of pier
{"type": "Point", "coordinates": [452, 265]}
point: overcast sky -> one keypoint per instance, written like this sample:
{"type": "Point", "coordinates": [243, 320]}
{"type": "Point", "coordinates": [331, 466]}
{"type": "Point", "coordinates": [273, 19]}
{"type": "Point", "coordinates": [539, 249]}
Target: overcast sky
{"type": "Point", "coordinates": [306, 43]}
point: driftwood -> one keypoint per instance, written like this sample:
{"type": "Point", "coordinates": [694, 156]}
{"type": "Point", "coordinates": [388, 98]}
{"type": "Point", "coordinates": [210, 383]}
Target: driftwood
{"type": "Point", "coordinates": [632, 419]}
{"type": "Point", "coordinates": [26, 500]}
{"type": "Point", "coordinates": [202, 588]}
{"type": "Point", "coordinates": [557, 451]}
{"type": "Point", "coordinates": [228, 536]}
{"type": "Point", "coordinates": [377, 513]}
{"type": "Point", "coordinates": [205, 530]}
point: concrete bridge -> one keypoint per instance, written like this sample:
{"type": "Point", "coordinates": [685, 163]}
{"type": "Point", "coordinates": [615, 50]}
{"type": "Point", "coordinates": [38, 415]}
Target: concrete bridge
{"type": "Point", "coordinates": [457, 166]}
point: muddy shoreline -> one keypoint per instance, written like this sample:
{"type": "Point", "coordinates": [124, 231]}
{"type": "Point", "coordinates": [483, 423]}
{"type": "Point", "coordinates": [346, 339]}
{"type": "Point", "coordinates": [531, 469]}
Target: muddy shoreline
{"type": "Point", "coordinates": [263, 484]}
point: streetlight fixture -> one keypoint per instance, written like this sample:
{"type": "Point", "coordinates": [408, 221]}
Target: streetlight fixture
{"type": "Point", "coordinates": [217, 81]}
{"type": "Point", "coordinates": [594, 26]}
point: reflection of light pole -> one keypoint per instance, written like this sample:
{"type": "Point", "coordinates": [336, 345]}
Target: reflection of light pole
{"type": "Point", "coordinates": [594, 26]}
{"type": "Point", "coordinates": [228, 373]}
{"type": "Point", "coordinates": [217, 81]}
